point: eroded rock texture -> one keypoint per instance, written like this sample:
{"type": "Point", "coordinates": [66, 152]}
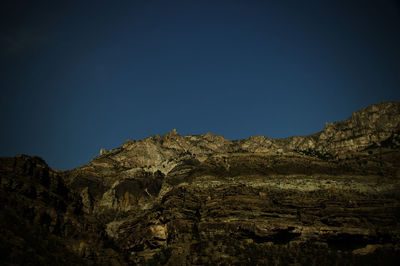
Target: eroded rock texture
{"type": "Point", "coordinates": [325, 199]}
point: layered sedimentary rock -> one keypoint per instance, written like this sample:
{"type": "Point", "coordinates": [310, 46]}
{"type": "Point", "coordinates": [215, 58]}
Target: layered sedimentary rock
{"type": "Point", "coordinates": [331, 197]}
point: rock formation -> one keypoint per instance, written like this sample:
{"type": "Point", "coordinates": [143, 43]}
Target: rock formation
{"type": "Point", "coordinates": [328, 198]}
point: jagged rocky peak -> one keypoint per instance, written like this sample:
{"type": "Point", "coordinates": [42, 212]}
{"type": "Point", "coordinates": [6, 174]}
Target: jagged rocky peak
{"type": "Point", "coordinates": [366, 127]}
{"type": "Point", "coordinates": [103, 151]}
{"type": "Point", "coordinates": [172, 133]}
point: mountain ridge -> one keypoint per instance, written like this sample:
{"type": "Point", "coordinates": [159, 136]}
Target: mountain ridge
{"type": "Point", "coordinates": [326, 198]}
{"type": "Point", "coordinates": [352, 134]}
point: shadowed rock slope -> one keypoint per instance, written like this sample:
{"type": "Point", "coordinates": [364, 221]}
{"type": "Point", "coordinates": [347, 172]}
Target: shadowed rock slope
{"type": "Point", "coordinates": [324, 199]}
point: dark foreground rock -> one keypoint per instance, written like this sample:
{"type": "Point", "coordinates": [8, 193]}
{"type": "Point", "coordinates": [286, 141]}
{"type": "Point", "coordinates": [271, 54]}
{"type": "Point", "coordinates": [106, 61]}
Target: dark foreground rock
{"type": "Point", "coordinates": [332, 198]}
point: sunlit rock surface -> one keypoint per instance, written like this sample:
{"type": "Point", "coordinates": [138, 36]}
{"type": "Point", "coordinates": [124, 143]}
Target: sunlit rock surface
{"type": "Point", "coordinates": [324, 199]}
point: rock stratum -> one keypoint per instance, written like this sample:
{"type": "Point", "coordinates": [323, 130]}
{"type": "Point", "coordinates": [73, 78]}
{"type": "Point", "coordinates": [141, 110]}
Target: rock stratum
{"type": "Point", "coordinates": [325, 199]}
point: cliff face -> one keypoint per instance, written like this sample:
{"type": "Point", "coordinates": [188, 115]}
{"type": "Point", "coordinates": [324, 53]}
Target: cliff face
{"type": "Point", "coordinates": [201, 199]}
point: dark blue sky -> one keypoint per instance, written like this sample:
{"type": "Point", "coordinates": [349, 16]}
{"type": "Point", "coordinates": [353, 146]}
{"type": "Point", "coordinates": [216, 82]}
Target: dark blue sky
{"type": "Point", "coordinates": [82, 75]}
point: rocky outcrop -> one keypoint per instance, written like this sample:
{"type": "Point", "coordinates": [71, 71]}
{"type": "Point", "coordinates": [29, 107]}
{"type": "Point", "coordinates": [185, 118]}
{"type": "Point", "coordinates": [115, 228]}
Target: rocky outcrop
{"type": "Point", "coordinates": [369, 126]}
{"type": "Point", "coordinates": [327, 198]}
{"type": "Point", "coordinates": [43, 222]}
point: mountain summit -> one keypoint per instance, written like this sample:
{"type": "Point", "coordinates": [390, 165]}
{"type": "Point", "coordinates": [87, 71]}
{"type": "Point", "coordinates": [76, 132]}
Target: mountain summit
{"type": "Point", "coordinates": [327, 198]}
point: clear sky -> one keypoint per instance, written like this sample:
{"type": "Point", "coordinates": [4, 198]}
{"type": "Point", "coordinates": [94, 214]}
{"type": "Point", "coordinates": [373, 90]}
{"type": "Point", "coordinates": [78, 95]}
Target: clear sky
{"type": "Point", "coordinates": [78, 76]}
